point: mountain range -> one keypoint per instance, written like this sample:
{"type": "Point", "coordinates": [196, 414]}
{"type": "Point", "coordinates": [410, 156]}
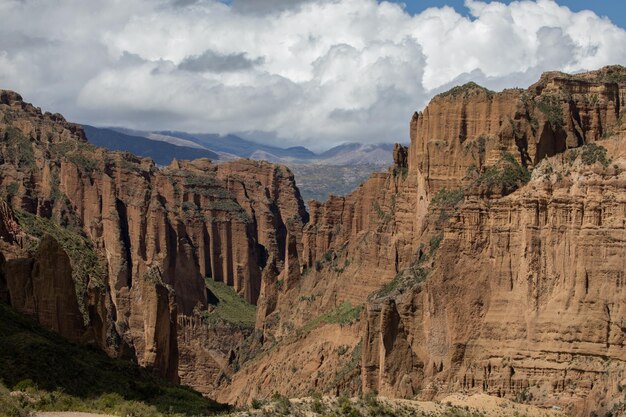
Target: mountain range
{"type": "Point", "coordinates": [164, 146]}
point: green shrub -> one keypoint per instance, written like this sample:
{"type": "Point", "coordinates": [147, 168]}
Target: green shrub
{"type": "Point", "coordinates": [410, 276]}
{"type": "Point", "coordinates": [232, 207]}
{"type": "Point", "coordinates": [82, 161]}
{"type": "Point", "coordinates": [13, 188]}
{"type": "Point", "coordinates": [346, 408]}
{"type": "Point", "coordinates": [550, 106]}
{"type": "Point", "coordinates": [482, 146]}
{"type": "Point", "coordinates": [317, 406]}
{"type": "Point", "coordinates": [435, 242]}
{"type": "Point", "coordinates": [448, 198]}
{"type": "Point", "coordinates": [350, 369]}
{"type": "Point", "coordinates": [523, 396]}
{"type": "Point", "coordinates": [465, 89]}
{"type": "Point", "coordinates": [592, 153]}
{"type": "Point", "coordinates": [11, 406]}
{"type": "Point", "coordinates": [19, 149]}
{"type": "Point", "coordinates": [507, 175]}
{"type": "Point", "coordinates": [282, 405]}
{"type": "Point", "coordinates": [343, 315]}
{"type": "Point", "coordinates": [59, 375]}
{"type": "Point", "coordinates": [25, 385]}
{"type": "Point", "coordinates": [380, 213]}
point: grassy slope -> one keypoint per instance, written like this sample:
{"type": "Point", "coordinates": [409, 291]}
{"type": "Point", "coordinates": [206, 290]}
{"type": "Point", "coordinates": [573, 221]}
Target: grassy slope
{"type": "Point", "coordinates": [230, 307]}
{"type": "Point", "coordinates": [66, 376]}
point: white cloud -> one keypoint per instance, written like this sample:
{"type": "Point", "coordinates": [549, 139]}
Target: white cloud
{"type": "Point", "coordinates": [312, 72]}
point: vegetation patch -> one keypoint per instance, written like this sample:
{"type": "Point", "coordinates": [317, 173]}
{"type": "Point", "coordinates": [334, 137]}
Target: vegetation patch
{"type": "Point", "coordinates": [414, 274]}
{"type": "Point", "coordinates": [448, 198]}
{"type": "Point", "coordinates": [53, 374]}
{"type": "Point", "coordinates": [614, 74]}
{"type": "Point", "coordinates": [331, 259]}
{"type": "Point", "coordinates": [350, 367]}
{"type": "Point", "coordinates": [435, 242]}
{"type": "Point", "coordinates": [382, 214]}
{"type": "Point", "coordinates": [55, 182]}
{"type": "Point", "coordinates": [592, 153]}
{"type": "Point", "coordinates": [87, 267]}
{"type": "Point", "coordinates": [507, 175]}
{"type": "Point", "coordinates": [229, 307]}
{"type": "Point", "coordinates": [447, 201]}
{"type": "Point", "coordinates": [231, 207]}
{"type": "Point", "coordinates": [550, 106]}
{"type": "Point", "coordinates": [465, 90]}
{"type": "Point", "coordinates": [343, 315]}
{"type": "Point", "coordinates": [84, 161]}
{"type": "Point", "coordinates": [19, 149]}
{"type": "Point", "coordinates": [370, 405]}
{"type": "Point", "coordinates": [81, 154]}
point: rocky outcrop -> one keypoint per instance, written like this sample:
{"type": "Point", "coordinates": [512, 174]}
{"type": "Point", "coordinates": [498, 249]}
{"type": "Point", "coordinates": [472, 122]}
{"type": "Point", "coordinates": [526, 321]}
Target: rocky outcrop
{"type": "Point", "coordinates": [524, 297]}
{"type": "Point", "coordinates": [468, 127]}
{"type": "Point", "coordinates": [42, 287]}
{"type": "Point", "coordinates": [467, 284]}
{"type": "Point", "coordinates": [151, 236]}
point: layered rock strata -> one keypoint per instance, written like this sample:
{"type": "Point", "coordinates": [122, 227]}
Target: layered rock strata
{"type": "Point", "coordinates": [153, 235]}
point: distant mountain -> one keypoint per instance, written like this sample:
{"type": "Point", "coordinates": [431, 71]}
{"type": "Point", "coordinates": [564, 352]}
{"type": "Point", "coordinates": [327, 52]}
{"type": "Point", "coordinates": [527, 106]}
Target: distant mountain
{"type": "Point", "coordinates": [163, 146]}
{"type": "Point", "coordinates": [358, 154]}
{"type": "Point", "coordinates": [241, 147]}
{"type": "Point", "coordinates": [161, 152]}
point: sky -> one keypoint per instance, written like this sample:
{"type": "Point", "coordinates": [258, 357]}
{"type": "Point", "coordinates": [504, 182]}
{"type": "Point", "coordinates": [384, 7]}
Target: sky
{"type": "Point", "coordinates": [613, 9]}
{"type": "Point", "coordinates": [288, 72]}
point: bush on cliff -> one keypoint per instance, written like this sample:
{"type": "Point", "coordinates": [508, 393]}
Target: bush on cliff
{"type": "Point", "coordinates": [505, 177]}
{"type": "Point", "coordinates": [592, 153]}
{"type": "Point", "coordinates": [550, 106]}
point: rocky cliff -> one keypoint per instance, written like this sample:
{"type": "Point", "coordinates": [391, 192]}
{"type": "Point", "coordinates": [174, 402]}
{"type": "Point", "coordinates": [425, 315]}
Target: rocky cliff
{"type": "Point", "coordinates": [106, 248]}
{"type": "Point", "coordinates": [487, 259]}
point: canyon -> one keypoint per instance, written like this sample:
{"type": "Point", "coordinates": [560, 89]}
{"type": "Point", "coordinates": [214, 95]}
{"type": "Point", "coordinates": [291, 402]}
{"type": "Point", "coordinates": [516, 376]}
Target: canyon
{"type": "Point", "coordinates": [489, 258]}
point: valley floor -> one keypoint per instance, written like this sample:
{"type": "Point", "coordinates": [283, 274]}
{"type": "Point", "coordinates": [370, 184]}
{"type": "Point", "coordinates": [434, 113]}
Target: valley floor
{"type": "Point", "coordinates": [456, 405]}
{"type": "Point", "coordinates": [70, 414]}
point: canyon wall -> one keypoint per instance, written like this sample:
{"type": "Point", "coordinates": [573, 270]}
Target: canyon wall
{"type": "Point", "coordinates": [521, 297]}
{"type": "Point", "coordinates": [471, 279]}
{"type": "Point", "coordinates": [135, 242]}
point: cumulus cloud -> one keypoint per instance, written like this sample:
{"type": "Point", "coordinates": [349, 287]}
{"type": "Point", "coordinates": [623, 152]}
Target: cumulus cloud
{"type": "Point", "coordinates": [266, 6]}
{"type": "Point", "coordinates": [213, 62]}
{"type": "Point", "coordinates": [310, 72]}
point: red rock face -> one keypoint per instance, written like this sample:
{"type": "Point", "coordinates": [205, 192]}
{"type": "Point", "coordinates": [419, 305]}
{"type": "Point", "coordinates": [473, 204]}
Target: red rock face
{"type": "Point", "coordinates": [512, 295]}
{"type": "Point", "coordinates": [523, 292]}
{"type": "Point", "coordinates": [158, 234]}
{"type": "Point", "coordinates": [42, 286]}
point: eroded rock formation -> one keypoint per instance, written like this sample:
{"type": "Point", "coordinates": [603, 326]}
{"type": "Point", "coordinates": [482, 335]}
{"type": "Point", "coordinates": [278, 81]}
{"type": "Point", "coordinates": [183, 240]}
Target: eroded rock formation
{"type": "Point", "coordinates": [484, 288]}
{"type": "Point", "coordinates": [152, 236]}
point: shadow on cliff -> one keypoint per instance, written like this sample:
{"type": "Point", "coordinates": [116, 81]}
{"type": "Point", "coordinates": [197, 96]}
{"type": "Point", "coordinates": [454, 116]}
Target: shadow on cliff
{"type": "Point", "coordinates": [29, 352]}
